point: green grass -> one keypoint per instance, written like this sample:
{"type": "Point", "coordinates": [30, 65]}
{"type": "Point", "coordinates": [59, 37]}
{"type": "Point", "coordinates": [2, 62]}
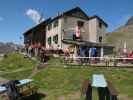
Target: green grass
{"type": "Point", "coordinates": [118, 39]}
{"type": "Point", "coordinates": [57, 81]}
{"type": "Point", "coordinates": [15, 61]}
{"type": "Point", "coordinates": [17, 75]}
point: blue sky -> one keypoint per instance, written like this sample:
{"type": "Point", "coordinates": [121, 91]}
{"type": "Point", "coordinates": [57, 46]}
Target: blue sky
{"type": "Point", "coordinates": [14, 21]}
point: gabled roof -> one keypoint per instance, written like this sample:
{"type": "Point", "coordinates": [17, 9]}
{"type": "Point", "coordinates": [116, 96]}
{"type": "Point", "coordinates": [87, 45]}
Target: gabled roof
{"type": "Point", "coordinates": [69, 12]}
{"type": "Point", "coordinates": [76, 9]}
{"type": "Point", "coordinates": [42, 23]}
{"type": "Point", "coordinates": [57, 17]}
{"type": "Point", "coordinates": [51, 19]}
{"type": "Point", "coordinates": [100, 19]}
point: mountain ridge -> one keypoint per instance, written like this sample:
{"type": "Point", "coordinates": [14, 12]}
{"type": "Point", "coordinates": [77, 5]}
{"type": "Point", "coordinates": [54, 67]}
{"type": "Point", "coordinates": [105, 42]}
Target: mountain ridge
{"type": "Point", "coordinates": [121, 35]}
{"type": "Point", "coordinates": [8, 47]}
{"type": "Point", "coordinates": [130, 21]}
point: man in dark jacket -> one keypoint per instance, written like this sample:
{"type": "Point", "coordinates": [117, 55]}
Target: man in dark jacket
{"type": "Point", "coordinates": [12, 91]}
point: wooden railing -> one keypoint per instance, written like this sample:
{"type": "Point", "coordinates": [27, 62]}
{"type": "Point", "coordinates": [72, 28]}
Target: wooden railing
{"type": "Point", "coordinates": [103, 61]}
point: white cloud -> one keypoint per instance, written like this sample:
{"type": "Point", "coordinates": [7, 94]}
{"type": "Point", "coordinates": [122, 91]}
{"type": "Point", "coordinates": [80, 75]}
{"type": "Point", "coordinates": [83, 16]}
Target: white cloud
{"type": "Point", "coordinates": [1, 19]}
{"type": "Point", "coordinates": [34, 15]}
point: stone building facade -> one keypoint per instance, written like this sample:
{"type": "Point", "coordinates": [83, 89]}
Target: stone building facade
{"type": "Point", "coordinates": [52, 32]}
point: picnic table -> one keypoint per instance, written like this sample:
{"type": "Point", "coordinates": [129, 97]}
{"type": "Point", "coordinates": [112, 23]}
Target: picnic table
{"type": "Point", "coordinates": [2, 89]}
{"type": "Point", "coordinates": [21, 83]}
{"type": "Point", "coordinates": [99, 81]}
{"type": "Point", "coordinates": [105, 89]}
{"type": "Point", "coordinates": [24, 87]}
{"type": "Point", "coordinates": [24, 82]}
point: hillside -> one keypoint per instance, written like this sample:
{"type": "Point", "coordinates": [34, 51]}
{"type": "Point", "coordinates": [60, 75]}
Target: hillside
{"type": "Point", "coordinates": [61, 83]}
{"type": "Point", "coordinates": [130, 21]}
{"type": "Point", "coordinates": [121, 35]}
{"type": "Point", "coordinates": [15, 61]}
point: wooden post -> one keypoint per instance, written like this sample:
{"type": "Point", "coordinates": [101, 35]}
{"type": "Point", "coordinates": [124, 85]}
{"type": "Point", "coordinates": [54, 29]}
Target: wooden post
{"type": "Point", "coordinates": [107, 94]}
{"type": "Point", "coordinates": [89, 93]}
{"type": "Point", "coordinates": [101, 93]}
{"type": "Point", "coordinates": [102, 53]}
{"type": "Point", "coordinates": [87, 90]}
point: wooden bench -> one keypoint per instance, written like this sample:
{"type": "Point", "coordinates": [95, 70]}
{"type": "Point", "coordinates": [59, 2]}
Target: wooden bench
{"type": "Point", "coordinates": [112, 92]}
{"type": "Point", "coordinates": [86, 89]}
{"type": "Point", "coordinates": [85, 85]}
{"type": "Point", "coordinates": [28, 91]}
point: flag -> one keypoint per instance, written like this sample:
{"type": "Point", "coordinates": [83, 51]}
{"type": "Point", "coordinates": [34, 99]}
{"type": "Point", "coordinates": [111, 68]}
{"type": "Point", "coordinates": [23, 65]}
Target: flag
{"type": "Point", "coordinates": [77, 29]}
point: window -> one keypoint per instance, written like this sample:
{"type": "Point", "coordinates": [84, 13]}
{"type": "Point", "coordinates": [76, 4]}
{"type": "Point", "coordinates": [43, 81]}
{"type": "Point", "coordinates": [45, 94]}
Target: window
{"type": "Point", "coordinates": [56, 23]}
{"type": "Point", "coordinates": [49, 26]}
{"type": "Point", "coordinates": [55, 39]}
{"type": "Point", "coordinates": [100, 24]}
{"type": "Point", "coordinates": [49, 40]}
{"type": "Point", "coordinates": [100, 38]}
{"type": "Point", "coordinates": [69, 35]}
{"type": "Point", "coordinates": [65, 19]}
{"type": "Point", "coordinates": [80, 23]}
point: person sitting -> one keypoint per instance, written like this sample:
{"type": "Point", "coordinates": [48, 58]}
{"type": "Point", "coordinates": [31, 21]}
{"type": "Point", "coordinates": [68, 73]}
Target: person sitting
{"type": "Point", "coordinates": [12, 90]}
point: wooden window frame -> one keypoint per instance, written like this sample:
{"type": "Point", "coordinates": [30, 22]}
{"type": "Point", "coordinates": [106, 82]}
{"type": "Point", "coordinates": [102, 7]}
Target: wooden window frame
{"type": "Point", "coordinates": [55, 39]}
{"type": "Point", "coordinates": [49, 40]}
{"type": "Point", "coordinates": [49, 26]}
{"type": "Point", "coordinates": [56, 23]}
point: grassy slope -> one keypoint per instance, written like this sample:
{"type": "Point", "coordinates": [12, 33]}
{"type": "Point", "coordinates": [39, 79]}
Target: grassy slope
{"type": "Point", "coordinates": [61, 81]}
{"type": "Point", "coordinates": [120, 36]}
{"type": "Point", "coordinates": [17, 75]}
{"type": "Point", "coordinates": [15, 66]}
{"type": "Point", "coordinates": [15, 61]}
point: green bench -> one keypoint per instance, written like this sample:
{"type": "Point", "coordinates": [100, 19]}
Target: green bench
{"type": "Point", "coordinates": [86, 89]}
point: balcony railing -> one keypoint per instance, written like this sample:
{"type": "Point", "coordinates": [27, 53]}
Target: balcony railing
{"type": "Point", "coordinates": [69, 33]}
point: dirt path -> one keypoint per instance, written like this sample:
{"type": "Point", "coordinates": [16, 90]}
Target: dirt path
{"type": "Point", "coordinates": [17, 70]}
{"type": "Point", "coordinates": [34, 72]}
{"type": "Point", "coordinates": [73, 96]}
{"type": "Point", "coordinates": [3, 80]}
{"type": "Point", "coordinates": [124, 97]}
{"type": "Point", "coordinates": [37, 69]}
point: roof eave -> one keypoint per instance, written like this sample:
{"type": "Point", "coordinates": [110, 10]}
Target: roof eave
{"type": "Point", "coordinates": [99, 19]}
